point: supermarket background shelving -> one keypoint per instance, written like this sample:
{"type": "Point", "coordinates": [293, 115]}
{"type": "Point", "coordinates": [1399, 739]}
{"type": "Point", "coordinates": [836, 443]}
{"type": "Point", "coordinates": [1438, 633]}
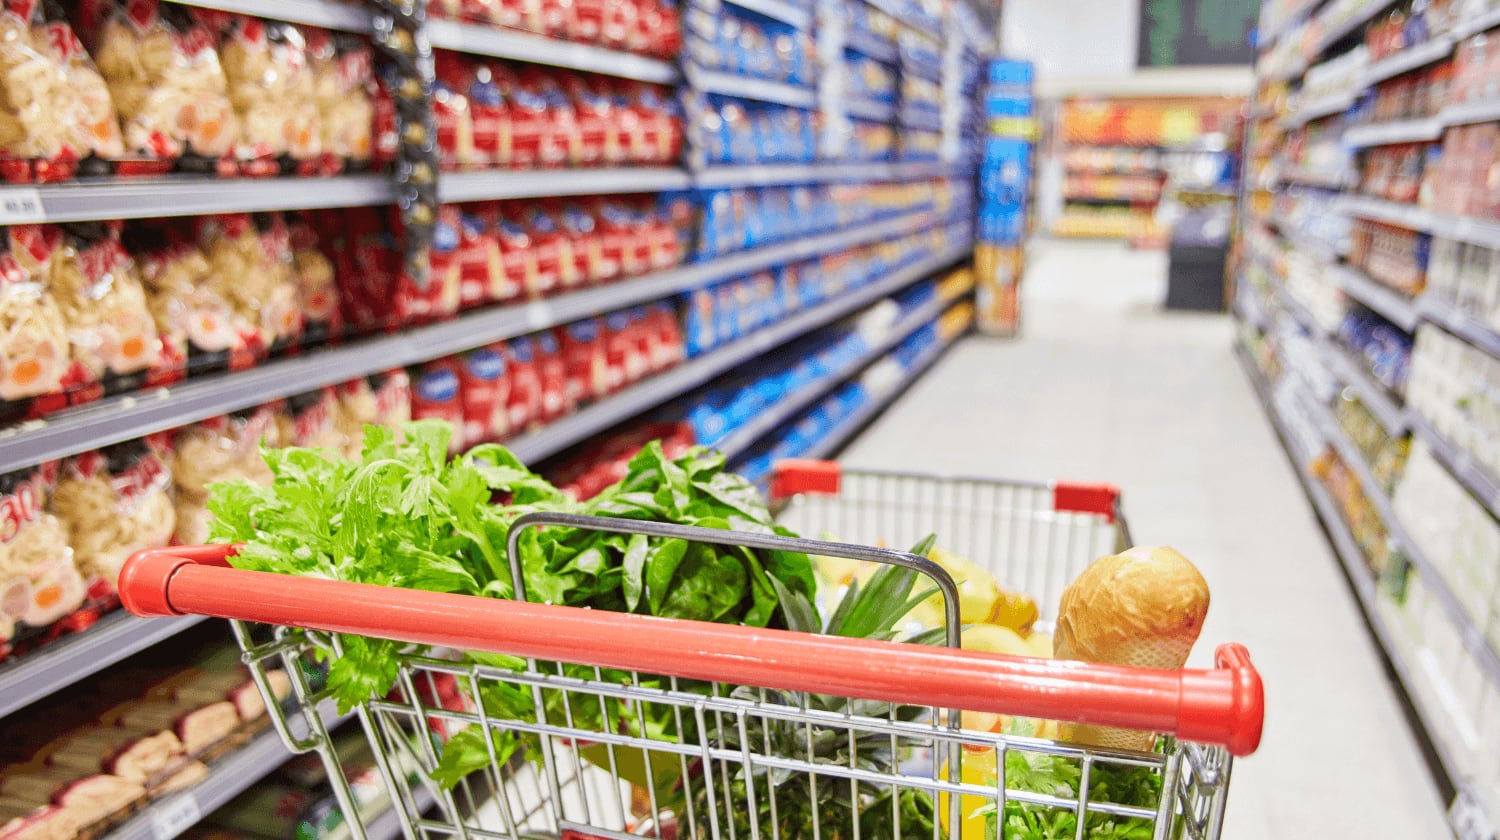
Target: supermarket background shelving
{"type": "Point", "coordinates": [928, 144]}
{"type": "Point", "coordinates": [1365, 325]}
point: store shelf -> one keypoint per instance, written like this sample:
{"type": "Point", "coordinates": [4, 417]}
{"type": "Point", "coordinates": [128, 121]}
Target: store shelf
{"type": "Point", "coordinates": [1464, 113]}
{"type": "Point", "coordinates": [128, 417]}
{"type": "Point", "coordinates": [235, 773]}
{"type": "Point", "coordinates": [873, 46]}
{"type": "Point", "coordinates": [346, 17]}
{"type": "Point", "coordinates": [920, 120]}
{"type": "Point", "coordinates": [1434, 49]}
{"type": "Point", "coordinates": [794, 14]}
{"type": "Point", "coordinates": [757, 175]}
{"type": "Point", "coordinates": [789, 406]}
{"type": "Point", "coordinates": [1387, 411]}
{"type": "Point", "coordinates": [1460, 323]}
{"type": "Point", "coordinates": [1387, 302]}
{"type": "Point", "coordinates": [1333, 34]}
{"type": "Point", "coordinates": [1320, 107]}
{"type": "Point", "coordinates": [1477, 24]}
{"type": "Point", "coordinates": [1475, 478]}
{"type": "Point", "coordinates": [861, 417]}
{"type": "Point", "coordinates": [1409, 216]}
{"type": "Point", "coordinates": [1314, 178]}
{"type": "Point", "coordinates": [630, 402]}
{"type": "Point", "coordinates": [728, 84]}
{"type": "Point", "coordinates": [893, 8]}
{"type": "Point", "coordinates": [523, 46]}
{"type": "Point", "coordinates": [870, 109]}
{"type": "Point", "coordinates": [116, 636]}
{"type": "Point", "coordinates": [1398, 131]}
{"type": "Point", "coordinates": [186, 195]}
{"type": "Point", "coordinates": [1472, 637]}
{"type": "Point", "coordinates": [502, 184]}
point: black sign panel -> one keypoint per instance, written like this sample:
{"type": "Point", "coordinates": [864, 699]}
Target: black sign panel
{"type": "Point", "coordinates": [1192, 32]}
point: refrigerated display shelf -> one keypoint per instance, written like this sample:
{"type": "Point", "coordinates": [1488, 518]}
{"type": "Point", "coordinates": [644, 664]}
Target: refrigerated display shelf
{"type": "Point", "coordinates": [873, 46]}
{"type": "Point", "coordinates": [652, 392]}
{"type": "Point", "coordinates": [862, 416]}
{"type": "Point", "coordinates": [870, 109]}
{"type": "Point", "coordinates": [346, 17]}
{"type": "Point", "coordinates": [114, 637]}
{"type": "Point", "coordinates": [228, 777]}
{"type": "Point", "coordinates": [768, 420]}
{"type": "Point", "coordinates": [1382, 299]}
{"type": "Point", "coordinates": [728, 84]}
{"type": "Point", "coordinates": [524, 46]}
{"type": "Point", "coordinates": [1392, 132]}
{"type": "Point", "coordinates": [132, 416]}
{"type": "Point", "coordinates": [1435, 48]}
{"type": "Point", "coordinates": [186, 195]}
{"type": "Point", "coordinates": [791, 13]}
{"type": "Point", "coordinates": [502, 184]}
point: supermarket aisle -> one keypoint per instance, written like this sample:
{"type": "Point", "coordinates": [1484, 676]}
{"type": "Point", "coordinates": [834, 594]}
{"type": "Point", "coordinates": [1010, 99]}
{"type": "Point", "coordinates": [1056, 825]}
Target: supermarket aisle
{"type": "Point", "coordinates": [1104, 387]}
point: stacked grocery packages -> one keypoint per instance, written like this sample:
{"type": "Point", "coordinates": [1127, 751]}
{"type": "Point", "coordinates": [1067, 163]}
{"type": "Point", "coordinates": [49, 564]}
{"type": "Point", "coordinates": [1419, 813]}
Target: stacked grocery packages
{"type": "Point", "coordinates": [557, 225]}
{"type": "Point", "coordinates": [1367, 296]}
{"type": "Point", "coordinates": [1005, 188]}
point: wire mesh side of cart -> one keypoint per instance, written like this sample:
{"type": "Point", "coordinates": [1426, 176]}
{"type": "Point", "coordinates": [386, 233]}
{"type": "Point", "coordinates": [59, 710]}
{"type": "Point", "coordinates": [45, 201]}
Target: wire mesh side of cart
{"type": "Point", "coordinates": [576, 751]}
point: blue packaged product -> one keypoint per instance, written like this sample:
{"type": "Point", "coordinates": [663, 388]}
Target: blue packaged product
{"type": "Point", "coordinates": [726, 319]}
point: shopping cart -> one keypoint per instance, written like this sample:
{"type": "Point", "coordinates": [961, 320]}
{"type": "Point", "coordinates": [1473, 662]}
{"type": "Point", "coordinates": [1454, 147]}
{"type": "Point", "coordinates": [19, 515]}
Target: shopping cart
{"type": "Point", "coordinates": [677, 729]}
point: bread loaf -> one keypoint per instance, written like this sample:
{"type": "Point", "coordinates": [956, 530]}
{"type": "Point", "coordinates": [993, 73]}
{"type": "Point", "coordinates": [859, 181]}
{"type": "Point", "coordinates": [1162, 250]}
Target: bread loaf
{"type": "Point", "coordinates": [1143, 608]}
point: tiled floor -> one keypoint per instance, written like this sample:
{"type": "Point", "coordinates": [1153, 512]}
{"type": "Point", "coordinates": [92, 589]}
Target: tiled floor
{"type": "Point", "coordinates": [1104, 386]}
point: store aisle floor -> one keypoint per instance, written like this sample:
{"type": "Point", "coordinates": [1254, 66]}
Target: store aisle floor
{"type": "Point", "coordinates": [1103, 386]}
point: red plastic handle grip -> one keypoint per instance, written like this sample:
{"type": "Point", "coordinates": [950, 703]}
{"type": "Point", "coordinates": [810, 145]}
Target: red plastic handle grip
{"type": "Point", "coordinates": [1222, 706]}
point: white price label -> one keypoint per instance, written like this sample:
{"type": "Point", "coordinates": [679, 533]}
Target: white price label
{"type": "Point", "coordinates": [174, 816]}
{"type": "Point", "coordinates": [538, 315]}
{"type": "Point", "coordinates": [21, 206]}
{"type": "Point", "coordinates": [1468, 818]}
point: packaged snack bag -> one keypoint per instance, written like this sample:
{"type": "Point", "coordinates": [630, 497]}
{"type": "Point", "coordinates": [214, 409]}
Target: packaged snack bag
{"type": "Point", "coordinates": [39, 583]}
{"type": "Point", "coordinates": [199, 326]}
{"type": "Point", "coordinates": [343, 70]}
{"type": "Point", "coordinates": [110, 328]}
{"type": "Point", "coordinates": [486, 395]}
{"type": "Point", "coordinates": [491, 117]}
{"type": "Point", "coordinates": [114, 502]}
{"type": "Point", "coordinates": [585, 360]}
{"type": "Point", "coordinates": [317, 283]}
{"type": "Point", "coordinates": [274, 93]}
{"type": "Point", "coordinates": [164, 76]}
{"type": "Point", "coordinates": [34, 350]}
{"type": "Point", "coordinates": [218, 449]}
{"type": "Point", "coordinates": [310, 420]}
{"type": "Point", "coordinates": [523, 269]}
{"type": "Point", "coordinates": [251, 258]}
{"type": "Point", "coordinates": [557, 402]}
{"type": "Point", "coordinates": [382, 399]}
{"type": "Point", "coordinates": [585, 242]}
{"type": "Point", "coordinates": [525, 400]}
{"type": "Point", "coordinates": [455, 118]}
{"type": "Point", "coordinates": [435, 395]}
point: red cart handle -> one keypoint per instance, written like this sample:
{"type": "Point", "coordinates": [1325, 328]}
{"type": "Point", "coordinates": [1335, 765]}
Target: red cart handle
{"type": "Point", "coordinates": [1224, 706]}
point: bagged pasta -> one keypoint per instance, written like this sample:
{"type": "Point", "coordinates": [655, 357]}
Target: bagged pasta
{"type": "Point", "coordinates": [454, 116]}
{"type": "Point", "coordinates": [343, 71]}
{"type": "Point", "coordinates": [114, 502]}
{"type": "Point", "coordinates": [110, 329]}
{"type": "Point", "coordinates": [34, 354]}
{"type": "Point", "coordinates": [310, 420]}
{"type": "Point", "coordinates": [43, 119]}
{"type": "Point", "coordinates": [253, 268]}
{"type": "Point", "coordinates": [382, 399]}
{"type": "Point", "coordinates": [199, 327]}
{"type": "Point", "coordinates": [274, 94]}
{"type": "Point", "coordinates": [317, 283]}
{"type": "Point", "coordinates": [164, 75]}
{"type": "Point", "coordinates": [218, 449]}
{"type": "Point", "coordinates": [38, 582]}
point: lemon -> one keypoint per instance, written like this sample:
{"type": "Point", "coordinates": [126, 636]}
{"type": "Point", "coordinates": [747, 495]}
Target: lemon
{"type": "Point", "coordinates": [1040, 644]}
{"type": "Point", "coordinates": [996, 639]}
{"type": "Point", "coordinates": [980, 598]}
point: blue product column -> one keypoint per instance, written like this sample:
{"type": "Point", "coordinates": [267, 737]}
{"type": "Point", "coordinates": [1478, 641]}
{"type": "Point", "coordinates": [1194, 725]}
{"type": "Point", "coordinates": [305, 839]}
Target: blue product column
{"type": "Point", "coordinates": [1005, 175]}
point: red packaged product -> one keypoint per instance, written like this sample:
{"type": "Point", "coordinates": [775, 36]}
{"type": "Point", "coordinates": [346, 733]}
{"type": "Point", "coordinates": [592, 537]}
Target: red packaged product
{"type": "Point", "coordinates": [39, 583]}
{"type": "Point", "coordinates": [455, 118]}
{"type": "Point", "coordinates": [670, 228]}
{"type": "Point", "coordinates": [486, 395]}
{"type": "Point", "coordinates": [626, 359]}
{"type": "Point", "coordinates": [480, 264]}
{"type": "Point", "coordinates": [445, 263]}
{"type": "Point", "coordinates": [586, 243]}
{"type": "Point", "coordinates": [524, 402]}
{"type": "Point", "coordinates": [553, 251]}
{"type": "Point", "coordinates": [585, 356]}
{"type": "Point", "coordinates": [619, 23]}
{"type": "Point", "coordinates": [490, 116]}
{"type": "Point", "coordinates": [522, 263]}
{"type": "Point", "coordinates": [595, 118]}
{"type": "Point", "coordinates": [666, 332]}
{"type": "Point", "coordinates": [617, 229]}
{"type": "Point", "coordinates": [435, 394]}
{"type": "Point", "coordinates": [542, 121]}
{"type": "Point", "coordinates": [556, 399]}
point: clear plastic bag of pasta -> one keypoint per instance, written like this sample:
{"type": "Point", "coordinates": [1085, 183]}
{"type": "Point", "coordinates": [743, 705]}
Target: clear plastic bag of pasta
{"type": "Point", "coordinates": [39, 583]}
{"type": "Point", "coordinates": [199, 327]}
{"type": "Point", "coordinates": [40, 120]}
{"type": "Point", "coordinates": [274, 94]}
{"type": "Point", "coordinates": [382, 399]}
{"type": "Point", "coordinates": [310, 420]}
{"type": "Point", "coordinates": [218, 449]}
{"type": "Point", "coordinates": [251, 258]}
{"type": "Point", "coordinates": [34, 353]}
{"type": "Point", "coordinates": [163, 72]}
{"type": "Point", "coordinates": [317, 282]}
{"type": "Point", "coordinates": [114, 502]}
{"type": "Point", "coordinates": [343, 71]}
{"type": "Point", "coordinates": [110, 329]}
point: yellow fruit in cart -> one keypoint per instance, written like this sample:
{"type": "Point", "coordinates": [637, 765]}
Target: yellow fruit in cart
{"type": "Point", "coordinates": [838, 571]}
{"type": "Point", "coordinates": [1040, 644]}
{"type": "Point", "coordinates": [993, 638]}
{"type": "Point", "coordinates": [977, 768]}
{"type": "Point", "coordinates": [981, 599]}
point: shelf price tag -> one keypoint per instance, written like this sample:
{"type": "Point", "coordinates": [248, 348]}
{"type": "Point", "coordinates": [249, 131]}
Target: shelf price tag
{"type": "Point", "coordinates": [1468, 818]}
{"type": "Point", "coordinates": [21, 206]}
{"type": "Point", "coordinates": [174, 816]}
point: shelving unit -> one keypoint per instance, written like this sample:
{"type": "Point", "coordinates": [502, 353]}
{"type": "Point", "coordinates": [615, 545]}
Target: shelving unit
{"type": "Point", "coordinates": [1474, 664]}
{"type": "Point", "coordinates": [54, 668]}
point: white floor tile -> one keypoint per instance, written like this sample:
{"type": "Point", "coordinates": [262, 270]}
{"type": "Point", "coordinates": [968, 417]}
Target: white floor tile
{"type": "Point", "coordinates": [1104, 386]}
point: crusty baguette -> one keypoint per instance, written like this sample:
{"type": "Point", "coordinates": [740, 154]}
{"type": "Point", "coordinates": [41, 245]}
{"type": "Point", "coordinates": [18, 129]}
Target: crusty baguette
{"type": "Point", "coordinates": [1144, 608]}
